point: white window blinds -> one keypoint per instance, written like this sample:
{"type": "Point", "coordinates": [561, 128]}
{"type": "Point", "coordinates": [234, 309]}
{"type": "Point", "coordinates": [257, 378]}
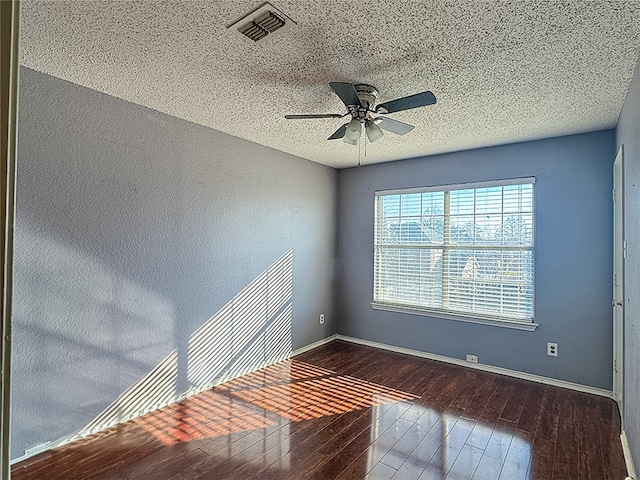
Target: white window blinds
{"type": "Point", "coordinates": [462, 249]}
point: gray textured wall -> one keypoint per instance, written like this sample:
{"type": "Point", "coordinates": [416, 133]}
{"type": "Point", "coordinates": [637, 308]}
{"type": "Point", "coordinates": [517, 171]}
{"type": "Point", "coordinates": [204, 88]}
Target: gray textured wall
{"type": "Point", "coordinates": [628, 134]}
{"type": "Point", "coordinates": [144, 241]}
{"type": "Point", "coordinates": [573, 255]}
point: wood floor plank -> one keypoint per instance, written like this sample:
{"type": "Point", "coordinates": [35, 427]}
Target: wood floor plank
{"type": "Point", "coordinates": [428, 446]}
{"type": "Point", "coordinates": [410, 440]}
{"type": "Point", "coordinates": [531, 409]}
{"type": "Point", "coordinates": [495, 453]}
{"type": "Point", "coordinates": [545, 436]}
{"type": "Point", "coordinates": [381, 472]}
{"type": "Point", "coordinates": [166, 463]}
{"type": "Point", "coordinates": [481, 397]}
{"type": "Point", "coordinates": [589, 445]}
{"type": "Point", "coordinates": [609, 425]}
{"type": "Point", "coordinates": [301, 442]}
{"type": "Point", "coordinates": [481, 434]}
{"type": "Point", "coordinates": [340, 460]}
{"type": "Point", "coordinates": [387, 441]}
{"type": "Point", "coordinates": [449, 393]}
{"type": "Point", "coordinates": [473, 381]}
{"type": "Point", "coordinates": [466, 463]}
{"type": "Point", "coordinates": [377, 428]}
{"type": "Point", "coordinates": [357, 469]}
{"type": "Point", "coordinates": [345, 411]}
{"type": "Point", "coordinates": [498, 400]}
{"type": "Point", "coordinates": [514, 404]}
{"type": "Point", "coordinates": [516, 463]}
{"type": "Point", "coordinates": [447, 454]}
{"type": "Point", "coordinates": [565, 464]}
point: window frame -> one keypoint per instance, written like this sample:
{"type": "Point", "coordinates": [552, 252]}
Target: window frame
{"type": "Point", "coordinates": [472, 317]}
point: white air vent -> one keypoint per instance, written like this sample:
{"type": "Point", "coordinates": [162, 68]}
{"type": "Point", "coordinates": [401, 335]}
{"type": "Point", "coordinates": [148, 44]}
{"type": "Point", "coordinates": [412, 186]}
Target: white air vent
{"type": "Point", "coordinates": [262, 23]}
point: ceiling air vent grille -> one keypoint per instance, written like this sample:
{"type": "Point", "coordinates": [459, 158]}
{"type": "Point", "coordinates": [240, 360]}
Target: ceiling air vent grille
{"type": "Point", "coordinates": [262, 22]}
{"type": "Point", "coordinates": [263, 26]}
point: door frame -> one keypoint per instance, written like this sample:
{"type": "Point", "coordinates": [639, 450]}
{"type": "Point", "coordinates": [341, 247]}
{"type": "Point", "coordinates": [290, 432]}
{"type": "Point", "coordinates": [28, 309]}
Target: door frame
{"type": "Point", "coordinates": [619, 255]}
{"type": "Point", "coordinates": [9, 20]}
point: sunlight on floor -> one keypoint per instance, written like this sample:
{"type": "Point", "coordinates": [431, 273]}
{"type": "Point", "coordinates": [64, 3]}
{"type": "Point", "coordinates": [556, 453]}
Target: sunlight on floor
{"type": "Point", "coordinates": [290, 390]}
{"type": "Point", "coordinates": [313, 392]}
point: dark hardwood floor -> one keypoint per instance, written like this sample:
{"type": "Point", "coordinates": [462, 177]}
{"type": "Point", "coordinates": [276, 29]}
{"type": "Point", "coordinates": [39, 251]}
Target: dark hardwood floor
{"type": "Point", "coordinates": [345, 411]}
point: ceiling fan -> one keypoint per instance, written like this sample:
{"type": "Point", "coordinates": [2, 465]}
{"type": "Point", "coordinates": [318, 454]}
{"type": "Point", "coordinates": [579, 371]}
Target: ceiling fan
{"type": "Point", "coordinates": [360, 100]}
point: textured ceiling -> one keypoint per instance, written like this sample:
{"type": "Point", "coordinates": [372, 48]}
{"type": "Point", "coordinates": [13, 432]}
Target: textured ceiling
{"type": "Point", "coordinates": [502, 71]}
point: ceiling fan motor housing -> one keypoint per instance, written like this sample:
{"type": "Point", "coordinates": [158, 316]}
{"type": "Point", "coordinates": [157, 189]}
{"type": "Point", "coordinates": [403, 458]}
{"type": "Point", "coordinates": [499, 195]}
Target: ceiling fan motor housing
{"type": "Point", "coordinates": [368, 96]}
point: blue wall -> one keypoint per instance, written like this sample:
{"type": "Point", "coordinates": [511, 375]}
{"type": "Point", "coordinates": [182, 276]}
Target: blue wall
{"type": "Point", "coordinates": [628, 136]}
{"type": "Point", "coordinates": [153, 255]}
{"type": "Point", "coordinates": [573, 251]}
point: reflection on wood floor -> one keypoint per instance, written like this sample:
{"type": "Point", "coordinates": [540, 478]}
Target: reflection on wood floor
{"type": "Point", "coordinates": [344, 411]}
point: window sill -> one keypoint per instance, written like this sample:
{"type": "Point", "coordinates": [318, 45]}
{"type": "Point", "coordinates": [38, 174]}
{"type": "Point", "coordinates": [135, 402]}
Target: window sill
{"type": "Point", "coordinates": [528, 326]}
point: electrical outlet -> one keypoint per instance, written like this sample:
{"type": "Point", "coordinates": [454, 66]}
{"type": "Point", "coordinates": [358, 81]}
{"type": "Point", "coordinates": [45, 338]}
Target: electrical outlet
{"type": "Point", "coordinates": [552, 349]}
{"type": "Point", "coordinates": [321, 318]}
{"type": "Point", "coordinates": [472, 358]}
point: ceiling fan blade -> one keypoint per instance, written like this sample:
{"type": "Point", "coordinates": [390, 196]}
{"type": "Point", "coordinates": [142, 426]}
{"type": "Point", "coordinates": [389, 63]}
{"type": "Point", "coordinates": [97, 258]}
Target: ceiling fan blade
{"type": "Point", "coordinates": [339, 133]}
{"type": "Point", "coordinates": [394, 126]}
{"type": "Point", "coordinates": [315, 115]}
{"type": "Point", "coordinates": [346, 92]}
{"type": "Point", "coordinates": [407, 103]}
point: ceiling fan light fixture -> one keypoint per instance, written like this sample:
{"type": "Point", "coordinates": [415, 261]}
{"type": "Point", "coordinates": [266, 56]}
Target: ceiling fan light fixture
{"type": "Point", "coordinates": [349, 141]}
{"type": "Point", "coordinates": [354, 130]}
{"type": "Point", "coordinates": [374, 132]}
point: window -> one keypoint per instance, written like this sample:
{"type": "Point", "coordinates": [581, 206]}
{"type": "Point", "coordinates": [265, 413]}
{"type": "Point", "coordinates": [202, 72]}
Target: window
{"type": "Point", "coordinates": [461, 250]}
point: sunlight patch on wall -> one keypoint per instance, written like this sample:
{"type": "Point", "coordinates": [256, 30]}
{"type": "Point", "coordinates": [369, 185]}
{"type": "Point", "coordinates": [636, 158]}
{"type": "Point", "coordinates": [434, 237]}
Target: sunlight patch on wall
{"type": "Point", "coordinates": [249, 332]}
{"type": "Point", "coordinates": [157, 388]}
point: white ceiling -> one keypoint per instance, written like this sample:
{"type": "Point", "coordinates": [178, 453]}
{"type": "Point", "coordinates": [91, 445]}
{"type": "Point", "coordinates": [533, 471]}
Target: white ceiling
{"type": "Point", "coordinates": [502, 71]}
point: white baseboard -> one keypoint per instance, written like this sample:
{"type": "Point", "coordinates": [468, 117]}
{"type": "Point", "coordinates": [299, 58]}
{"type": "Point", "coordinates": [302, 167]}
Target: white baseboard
{"type": "Point", "coordinates": [32, 452]}
{"type": "Point", "coordinates": [480, 366]}
{"type": "Point", "coordinates": [313, 345]}
{"type": "Point", "coordinates": [626, 449]}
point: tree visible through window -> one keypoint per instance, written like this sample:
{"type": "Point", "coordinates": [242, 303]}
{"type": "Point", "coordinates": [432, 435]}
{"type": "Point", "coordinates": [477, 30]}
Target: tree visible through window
{"type": "Point", "coordinates": [465, 249]}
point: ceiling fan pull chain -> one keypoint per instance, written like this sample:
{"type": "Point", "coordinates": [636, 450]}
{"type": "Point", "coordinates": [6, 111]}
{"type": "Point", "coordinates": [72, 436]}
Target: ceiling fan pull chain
{"type": "Point", "coordinates": [366, 141]}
